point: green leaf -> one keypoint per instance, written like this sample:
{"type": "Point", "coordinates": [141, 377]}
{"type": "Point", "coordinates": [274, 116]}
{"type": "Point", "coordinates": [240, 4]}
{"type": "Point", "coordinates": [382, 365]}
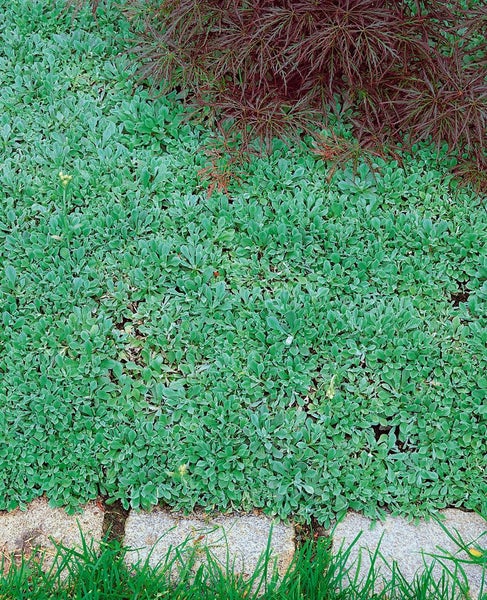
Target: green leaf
{"type": "Point", "coordinates": [11, 275]}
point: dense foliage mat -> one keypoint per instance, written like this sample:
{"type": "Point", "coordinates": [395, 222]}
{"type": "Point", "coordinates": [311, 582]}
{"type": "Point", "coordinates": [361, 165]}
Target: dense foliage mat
{"type": "Point", "coordinates": [297, 345]}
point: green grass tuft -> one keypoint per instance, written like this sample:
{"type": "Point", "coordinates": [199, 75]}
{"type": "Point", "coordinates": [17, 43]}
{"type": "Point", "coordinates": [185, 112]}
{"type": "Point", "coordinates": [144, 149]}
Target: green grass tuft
{"type": "Point", "coordinates": [314, 574]}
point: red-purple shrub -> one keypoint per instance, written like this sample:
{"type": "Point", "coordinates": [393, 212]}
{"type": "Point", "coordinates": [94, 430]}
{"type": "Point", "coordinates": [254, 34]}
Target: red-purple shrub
{"type": "Point", "coordinates": [408, 69]}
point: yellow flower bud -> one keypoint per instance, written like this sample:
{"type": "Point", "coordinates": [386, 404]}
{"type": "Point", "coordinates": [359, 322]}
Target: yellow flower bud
{"type": "Point", "coordinates": [65, 179]}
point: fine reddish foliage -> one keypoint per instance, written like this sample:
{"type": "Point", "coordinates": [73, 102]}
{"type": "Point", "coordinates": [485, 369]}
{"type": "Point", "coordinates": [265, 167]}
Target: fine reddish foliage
{"type": "Point", "coordinates": [223, 168]}
{"type": "Point", "coordinates": [407, 69]}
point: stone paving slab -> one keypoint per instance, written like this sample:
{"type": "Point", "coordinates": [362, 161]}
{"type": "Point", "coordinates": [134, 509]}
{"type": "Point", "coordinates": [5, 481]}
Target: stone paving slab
{"type": "Point", "coordinates": [40, 525]}
{"type": "Point", "coordinates": [244, 537]}
{"type": "Point", "coordinates": [409, 544]}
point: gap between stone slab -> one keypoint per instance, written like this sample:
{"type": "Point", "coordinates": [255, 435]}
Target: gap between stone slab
{"type": "Point", "coordinates": [114, 518]}
{"type": "Point", "coordinates": [304, 532]}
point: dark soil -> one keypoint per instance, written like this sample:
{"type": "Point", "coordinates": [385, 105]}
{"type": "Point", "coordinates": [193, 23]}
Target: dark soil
{"type": "Point", "coordinates": [114, 522]}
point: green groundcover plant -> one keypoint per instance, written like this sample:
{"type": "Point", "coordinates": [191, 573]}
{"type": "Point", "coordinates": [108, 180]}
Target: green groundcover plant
{"type": "Point", "coordinates": [190, 572]}
{"type": "Point", "coordinates": [296, 344]}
